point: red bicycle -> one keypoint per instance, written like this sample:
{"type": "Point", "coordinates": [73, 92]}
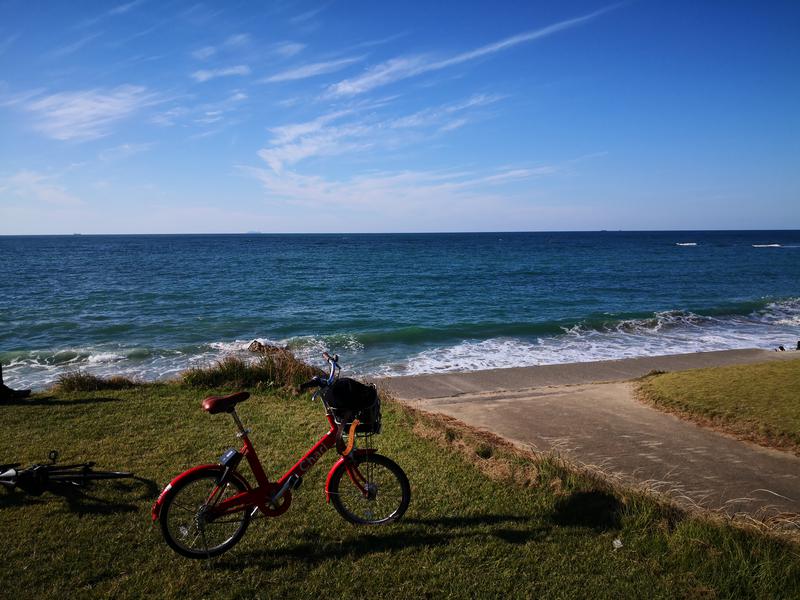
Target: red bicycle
{"type": "Point", "coordinates": [206, 510]}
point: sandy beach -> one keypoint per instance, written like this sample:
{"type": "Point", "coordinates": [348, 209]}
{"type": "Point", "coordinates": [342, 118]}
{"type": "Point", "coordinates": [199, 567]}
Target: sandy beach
{"type": "Point", "coordinates": [588, 413]}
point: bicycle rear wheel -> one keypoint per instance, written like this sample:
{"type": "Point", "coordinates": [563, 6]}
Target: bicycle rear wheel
{"type": "Point", "coordinates": [82, 476]}
{"type": "Point", "coordinates": [382, 497]}
{"type": "Point", "coordinates": [185, 523]}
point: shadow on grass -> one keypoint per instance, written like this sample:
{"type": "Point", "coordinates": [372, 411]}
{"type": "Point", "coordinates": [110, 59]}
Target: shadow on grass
{"type": "Point", "coordinates": [409, 534]}
{"type": "Point", "coordinates": [466, 521]}
{"type": "Point", "coordinates": [55, 401]}
{"type": "Point", "coordinates": [596, 510]}
{"type": "Point", "coordinates": [103, 498]}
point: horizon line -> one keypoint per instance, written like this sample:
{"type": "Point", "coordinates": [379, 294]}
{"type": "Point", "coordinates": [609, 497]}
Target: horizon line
{"type": "Point", "coordinates": [79, 234]}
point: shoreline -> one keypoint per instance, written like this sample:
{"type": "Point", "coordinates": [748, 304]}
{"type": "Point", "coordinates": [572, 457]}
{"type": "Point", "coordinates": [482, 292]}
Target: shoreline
{"type": "Point", "coordinates": [451, 384]}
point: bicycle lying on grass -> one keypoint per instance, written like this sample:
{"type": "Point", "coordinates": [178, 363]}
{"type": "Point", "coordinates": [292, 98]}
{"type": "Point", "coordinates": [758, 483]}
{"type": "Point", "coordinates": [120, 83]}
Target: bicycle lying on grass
{"type": "Point", "coordinates": [206, 510]}
{"type": "Point", "coordinates": [37, 479]}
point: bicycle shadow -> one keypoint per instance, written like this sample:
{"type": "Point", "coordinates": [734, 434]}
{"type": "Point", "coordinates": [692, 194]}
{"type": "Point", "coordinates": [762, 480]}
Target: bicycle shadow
{"type": "Point", "coordinates": [593, 509]}
{"type": "Point", "coordinates": [410, 533]}
{"type": "Point", "coordinates": [55, 401]}
{"type": "Point", "coordinates": [102, 498]}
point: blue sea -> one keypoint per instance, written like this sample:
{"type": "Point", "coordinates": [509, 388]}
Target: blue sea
{"type": "Point", "coordinates": [150, 306]}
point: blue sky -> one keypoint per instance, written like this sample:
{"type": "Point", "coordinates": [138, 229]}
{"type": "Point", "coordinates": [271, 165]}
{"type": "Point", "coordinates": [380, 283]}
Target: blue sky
{"type": "Point", "coordinates": [148, 116]}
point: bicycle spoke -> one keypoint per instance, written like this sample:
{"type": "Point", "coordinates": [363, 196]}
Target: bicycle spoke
{"type": "Point", "coordinates": [188, 523]}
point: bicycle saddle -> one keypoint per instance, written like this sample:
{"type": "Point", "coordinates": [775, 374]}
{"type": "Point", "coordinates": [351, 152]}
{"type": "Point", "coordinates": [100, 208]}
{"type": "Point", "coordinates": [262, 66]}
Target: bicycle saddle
{"type": "Point", "coordinates": [218, 404]}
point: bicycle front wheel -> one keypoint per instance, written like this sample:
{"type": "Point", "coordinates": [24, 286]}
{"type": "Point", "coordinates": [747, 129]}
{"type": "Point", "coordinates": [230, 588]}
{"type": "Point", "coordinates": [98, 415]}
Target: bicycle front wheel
{"type": "Point", "coordinates": [185, 517]}
{"type": "Point", "coordinates": [377, 493]}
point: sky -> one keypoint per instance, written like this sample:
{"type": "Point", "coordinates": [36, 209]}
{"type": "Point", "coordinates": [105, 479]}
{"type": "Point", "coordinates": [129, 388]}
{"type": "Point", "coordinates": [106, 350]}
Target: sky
{"type": "Point", "coordinates": [153, 116]}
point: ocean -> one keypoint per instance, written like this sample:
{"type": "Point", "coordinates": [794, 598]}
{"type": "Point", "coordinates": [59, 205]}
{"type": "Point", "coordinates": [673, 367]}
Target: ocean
{"type": "Point", "coordinates": [151, 306]}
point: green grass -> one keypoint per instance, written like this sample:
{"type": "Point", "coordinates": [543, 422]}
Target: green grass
{"type": "Point", "coordinates": [758, 402]}
{"type": "Point", "coordinates": [485, 520]}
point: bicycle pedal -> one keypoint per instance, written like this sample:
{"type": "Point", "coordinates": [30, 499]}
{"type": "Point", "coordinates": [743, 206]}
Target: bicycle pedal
{"type": "Point", "coordinates": [297, 483]}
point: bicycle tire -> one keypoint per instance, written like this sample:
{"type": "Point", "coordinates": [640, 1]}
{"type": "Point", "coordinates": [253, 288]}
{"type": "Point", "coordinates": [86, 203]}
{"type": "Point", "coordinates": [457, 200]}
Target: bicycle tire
{"type": "Point", "coordinates": [182, 522]}
{"type": "Point", "coordinates": [389, 492]}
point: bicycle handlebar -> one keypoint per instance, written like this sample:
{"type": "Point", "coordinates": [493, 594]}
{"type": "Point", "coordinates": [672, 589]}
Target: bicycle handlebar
{"type": "Point", "coordinates": [310, 383]}
{"type": "Point", "coordinates": [317, 381]}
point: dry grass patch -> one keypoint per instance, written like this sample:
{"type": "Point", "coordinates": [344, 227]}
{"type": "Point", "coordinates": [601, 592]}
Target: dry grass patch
{"type": "Point", "coordinates": [80, 381]}
{"type": "Point", "coordinates": [277, 369]}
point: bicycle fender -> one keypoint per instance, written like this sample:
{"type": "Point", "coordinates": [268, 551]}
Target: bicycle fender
{"type": "Point", "coordinates": [339, 464]}
{"type": "Point", "coordinates": [156, 510]}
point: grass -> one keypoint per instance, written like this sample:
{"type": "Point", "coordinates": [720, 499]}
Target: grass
{"type": "Point", "coordinates": [274, 370]}
{"type": "Point", "coordinates": [486, 519]}
{"type": "Point", "coordinates": [80, 381]}
{"type": "Point", "coordinates": [759, 402]}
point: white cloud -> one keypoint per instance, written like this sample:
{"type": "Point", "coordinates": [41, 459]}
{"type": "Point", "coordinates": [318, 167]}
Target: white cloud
{"type": "Point", "coordinates": [201, 114]}
{"type": "Point", "coordinates": [454, 124]}
{"type": "Point", "coordinates": [312, 70]}
{"type": "Point", "coordinates": [382, 74]}
{"type": "Point", "coordinates": [32, 186]}
{"type": "Point", "coordinates": [75, 46]}
{"type": "Point", "coordinates": [288, 49]}
{"type": "Point", "coordinates": [204, 52]}
{"type": "Point", "coordinates": [88, 114]}
{"type": "Point", "coordinates": [438, 115]}
{"type": "Point", "coordinates": [238, 40]}
{"type": "Point", "coordinates": [171, 116]}
{"type": "Point", "coordinates": [123, 8]}
{"type": "Point", "coordinates": [124, 151]}
{"type": "Point", "coordinates": [308, 15]}
{"type": "Point", "coordinates": [397, 69]}
{"type": "Point", "coordinates": [285, 134]}
{"type": "Point", "coordinates": [327, 135]}
{"type": "Point", "coordinates": [402, 194]}
{"type": "Point", "coordinates": [120, 9]}
{"type": "Point", "coordinates": [208, 74]}
{"type": "Point", "coordinates": [328, 142]}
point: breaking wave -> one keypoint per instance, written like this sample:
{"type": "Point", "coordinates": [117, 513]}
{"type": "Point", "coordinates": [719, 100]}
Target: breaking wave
{"type": "Point", "coordinates": [457, 347]}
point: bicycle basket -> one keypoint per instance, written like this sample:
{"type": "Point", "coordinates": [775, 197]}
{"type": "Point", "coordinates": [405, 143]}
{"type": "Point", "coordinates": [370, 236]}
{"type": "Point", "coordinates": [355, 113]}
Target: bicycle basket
{"type": "Point", "coordinates": [350, 400]}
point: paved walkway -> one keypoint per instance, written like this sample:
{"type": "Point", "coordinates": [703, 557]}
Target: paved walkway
{"type": "Point", "coordinates": [601, 424]}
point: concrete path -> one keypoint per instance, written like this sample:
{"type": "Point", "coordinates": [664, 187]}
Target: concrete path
{"type": "Point", "coordinates": [602, 424]}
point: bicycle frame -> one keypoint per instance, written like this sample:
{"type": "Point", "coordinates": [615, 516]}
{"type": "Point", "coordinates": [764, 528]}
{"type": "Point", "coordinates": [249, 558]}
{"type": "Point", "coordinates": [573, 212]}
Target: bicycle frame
{"type": "Point", "coordinates": [271, 498]}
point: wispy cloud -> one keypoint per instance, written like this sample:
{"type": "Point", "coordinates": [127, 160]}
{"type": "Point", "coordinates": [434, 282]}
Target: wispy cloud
{"type": "Point", "coordinates": [329, 141]}
{"type": "Point", "coordinates": [120, 9]}
{"type": "Point", "coordinates": [308, 15]}
{"type": "Point", "coordinates": [237, 40]}
{"type": "Point", "coordinates": [33, 186]}
{"type": "Point", "coordinates": [230, 44]}
{"type": "Point", "coordinates": [407, 192]}
{"type": "Point", "coordinates": [208, 74]}
{"type": "Point", "coordinates": [204, 52]}
{"type": "Point", "coordinates": [202, 114]}
{"type": "Point", "coordinates": [124, 151]}
{"type": "Point", "coordinates": [441, 115]}
{"type": "Point", "coordinates": [400, 68]}
{"type": "Point", "coordinates": [312, 70]}
{"type": "Point", "coordinates": [88, 114]}
{"type": "Point", "coordinates": [356, 128]}
{"type": "Point", "coordinates": [288, 49]}
{"type": "Point", "coordinates": [75, 46]}
{"type": "Point", "coordinates": [123, 8]}
{"type": "Point", "coordinates": [379, 41]}
{"type": "Point", "coordinates": [7, 42]}
{"type": "Point", "coordinates": [286, 134]}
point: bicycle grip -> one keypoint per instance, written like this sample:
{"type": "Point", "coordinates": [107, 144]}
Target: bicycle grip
{"type": "Point", "coordinates": [310, 383]}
